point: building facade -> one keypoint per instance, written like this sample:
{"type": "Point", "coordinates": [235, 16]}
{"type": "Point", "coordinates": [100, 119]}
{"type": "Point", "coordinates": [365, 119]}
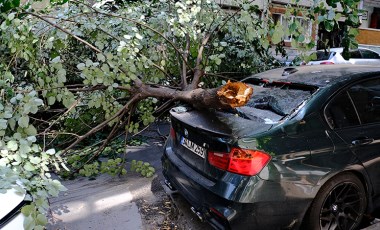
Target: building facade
{"type": "Point", "coordinates": [369, 30]}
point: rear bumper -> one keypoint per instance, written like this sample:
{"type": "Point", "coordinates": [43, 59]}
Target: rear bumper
{"type": "Point", "coordinates": [264, 205]}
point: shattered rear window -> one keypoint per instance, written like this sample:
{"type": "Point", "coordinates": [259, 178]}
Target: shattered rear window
{"type": "Point", "coordinates": [270, 103]}
{"type": "Point", "coordinates": [279, 100]}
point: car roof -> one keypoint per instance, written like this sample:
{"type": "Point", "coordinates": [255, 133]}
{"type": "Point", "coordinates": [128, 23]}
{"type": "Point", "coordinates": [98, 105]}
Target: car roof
{"type": "Point", "coordinates": [340, 49]}
{"type": "Point", "coordinates": [316, 75]}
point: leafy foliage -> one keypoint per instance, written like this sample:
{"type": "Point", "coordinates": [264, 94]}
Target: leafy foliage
{"type": "Point", "coordinates": [110, 161]}
{"type": "Point", "coordinates": [144, 168]}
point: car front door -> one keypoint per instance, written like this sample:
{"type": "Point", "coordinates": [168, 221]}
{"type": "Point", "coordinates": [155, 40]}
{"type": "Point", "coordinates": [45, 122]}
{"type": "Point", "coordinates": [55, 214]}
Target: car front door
{"type": "Point", "coordinates": [370, 57]}
{"type": "Point", "coordinates": [356, 58]}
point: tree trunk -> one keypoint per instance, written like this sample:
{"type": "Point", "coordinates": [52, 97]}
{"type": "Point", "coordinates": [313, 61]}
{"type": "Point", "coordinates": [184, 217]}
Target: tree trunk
{"type": "Point", "coordinates": [230, 95]}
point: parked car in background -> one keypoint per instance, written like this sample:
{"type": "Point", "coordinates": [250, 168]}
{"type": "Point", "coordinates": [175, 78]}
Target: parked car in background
{"type": "Point", "coordinates": [304, 153]}
{"type": "Point", "coordinates": [11, 202]}
{"type": "Point", "coordinates": [359, 56]}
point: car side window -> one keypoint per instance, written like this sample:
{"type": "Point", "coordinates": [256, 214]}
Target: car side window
{"type": "Point", "coordinates": [355, 54]}
{"type": "Point", "coordinates": [340, 112]}
{"type": "Point", "coordinates": [366, 97]}
{"type": "Point", "coordinates": [368, 54]}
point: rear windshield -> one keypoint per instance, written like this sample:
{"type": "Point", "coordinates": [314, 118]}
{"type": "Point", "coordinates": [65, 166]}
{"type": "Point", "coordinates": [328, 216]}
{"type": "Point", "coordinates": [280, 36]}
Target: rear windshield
{"type": "Point", "coordinates": [272, 102]}
{"type": "Point", "coordinates": [281, 101]}
{"type": "Point", "coordinates": [321, 55]}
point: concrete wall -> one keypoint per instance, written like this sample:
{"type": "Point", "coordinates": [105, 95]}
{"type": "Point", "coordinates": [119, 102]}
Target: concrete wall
{"type": "Point", "coordinates": [366, 22]}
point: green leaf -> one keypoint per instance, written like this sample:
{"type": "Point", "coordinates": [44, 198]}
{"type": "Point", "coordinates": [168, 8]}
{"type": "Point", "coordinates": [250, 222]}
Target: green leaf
{"type": "Point", "coordinates": [56, 59]}
{"type": "Point", "coordinates": [31, 139]}
{"type": "Point", "coordinates": [35, 160]}
{"type": "Point", "coordinates": [301, 38]}
{"type": "Point", "coordinates": [58, 2]}
{"type": "Point", "coordinates": [331, 14]}
{"type": "Point", "coordinates": [29, 167]}
{"type": "Point", "coordinates": [12, 123]}
{"type": "Point", "coordinates": [31, 130]}
{"type": "Point", "coordinates": [29, 223]}
{"type": "Point", "coordinates": [24, 149]}
{"type": "Point", "coordinates": [23, 121]}
{"type": "Point", "coordinates": [27, 210]}
{"type": "Point", "coordinates": [81, 66]}
{"type": "Point", "coordinates": [11, 16]}
{"type": "Point", "coordinates": [51, 100]}
{"type": "Point", "coordinates": [101, 57]}
{"type": "Point", "coordinates": [3, 124]}
{"type": "Point", "coordinates": [354, 32]}
{"type": "Point", "coordinates": [50, 151]}
{"type": "Point", "coordinates": [4, 25]}
{"type": "Point", "coordinates": [12, 145]}
{"type": "Point", "coordinates": [89, 63]}
{"type": "Point", "coordinates": [321, 18]}
{"type": "Point", "coordinates": [7, 114]}
{"type": "Point", "coordinates": [353, 18]}
{"type": "Point", "coordinates": [338, 16]}
{"type": "Point", "coordinates": [61, 78]}
{"type": "Point", "coordinates": [329, 25]}
{"type": "Point", "coordinates": [41, 220]}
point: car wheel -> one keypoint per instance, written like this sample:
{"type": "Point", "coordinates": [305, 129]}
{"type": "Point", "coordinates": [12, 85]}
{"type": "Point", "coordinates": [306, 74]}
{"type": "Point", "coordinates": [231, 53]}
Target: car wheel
{"type": "Point", "coordinates": [340, 204]}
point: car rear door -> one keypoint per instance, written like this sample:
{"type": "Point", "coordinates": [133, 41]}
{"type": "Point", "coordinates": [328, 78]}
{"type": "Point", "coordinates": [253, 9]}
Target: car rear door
{"type": "Point", "coordinates": [354, 114]}
{"type": "Point", "coordinates": [366, 98]}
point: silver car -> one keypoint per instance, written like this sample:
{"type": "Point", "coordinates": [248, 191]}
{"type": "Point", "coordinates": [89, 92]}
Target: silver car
{"type": "Point", "coordinates": [361, 56]}
{"type": "Point", "coordinates": [11, 202]}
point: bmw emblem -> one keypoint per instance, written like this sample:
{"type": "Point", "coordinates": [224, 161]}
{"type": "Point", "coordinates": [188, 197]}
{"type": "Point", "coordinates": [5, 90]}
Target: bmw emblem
{"type": "Point", "coordinates": [186, 133]}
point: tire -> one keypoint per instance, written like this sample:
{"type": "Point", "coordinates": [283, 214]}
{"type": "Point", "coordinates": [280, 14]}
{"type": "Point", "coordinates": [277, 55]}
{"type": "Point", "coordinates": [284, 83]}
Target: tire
{"type": "Point", "coordinates": [340, 204]}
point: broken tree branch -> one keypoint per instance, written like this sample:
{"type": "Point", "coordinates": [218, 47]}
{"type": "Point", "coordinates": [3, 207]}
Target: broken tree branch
{"type": "Point", "coordinates": [135, 99]}
{"type": "Point", "coordinates": [184, 69]}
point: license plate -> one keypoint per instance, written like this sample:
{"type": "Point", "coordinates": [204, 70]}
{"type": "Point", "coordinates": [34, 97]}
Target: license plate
{"type": "Point", "coordinates": [199, 150]}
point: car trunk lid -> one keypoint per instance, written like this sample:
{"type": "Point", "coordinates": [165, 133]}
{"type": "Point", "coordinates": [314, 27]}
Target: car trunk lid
{"type": "Point", "coordinates": [196, 133]}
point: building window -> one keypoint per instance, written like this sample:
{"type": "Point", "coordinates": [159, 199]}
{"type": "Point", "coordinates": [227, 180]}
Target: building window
{"type": "Point", "coordinates": [305, 24]}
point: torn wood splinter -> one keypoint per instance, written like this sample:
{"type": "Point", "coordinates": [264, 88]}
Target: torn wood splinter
{"type": "Point", "coordinates": [235, 94]}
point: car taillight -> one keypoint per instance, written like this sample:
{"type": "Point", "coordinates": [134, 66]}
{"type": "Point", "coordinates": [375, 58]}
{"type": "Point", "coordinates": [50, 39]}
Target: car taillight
{"type": "Point", "coordinates": [327, 63]}
{"type": "Point", "coordinates": [172, 133]}
{"type": "Point", "coordinates": [241, 161]}
{"type": "Point", "coordinates": [219, 160]}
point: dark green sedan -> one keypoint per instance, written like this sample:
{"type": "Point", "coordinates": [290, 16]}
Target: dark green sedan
{"type": "Point", "coordinates": [304, 153]}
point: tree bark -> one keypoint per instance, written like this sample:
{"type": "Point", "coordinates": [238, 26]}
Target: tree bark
{"type": "Point", "coordinates": [230, 95]}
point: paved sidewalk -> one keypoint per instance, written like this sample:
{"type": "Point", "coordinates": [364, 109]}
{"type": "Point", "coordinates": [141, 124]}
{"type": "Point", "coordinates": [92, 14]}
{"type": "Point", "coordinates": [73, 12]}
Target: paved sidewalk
{"type": "Point", "coordinates": [104, 203]}
{"type": "Point", "coordinates": [375, 226]}
{"type": "Point", "coordinates": [111, 202]}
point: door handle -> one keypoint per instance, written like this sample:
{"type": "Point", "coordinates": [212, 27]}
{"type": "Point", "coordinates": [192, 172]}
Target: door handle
{"type": "Point", "coordinates": [362, 141]}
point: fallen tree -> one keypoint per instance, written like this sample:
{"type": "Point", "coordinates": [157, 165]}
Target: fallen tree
{"type": "Point", "coordinates": [72, 70]}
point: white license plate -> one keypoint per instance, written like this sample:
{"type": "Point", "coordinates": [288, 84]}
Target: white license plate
{"type": "Point", "coordinates": [200, 151]}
